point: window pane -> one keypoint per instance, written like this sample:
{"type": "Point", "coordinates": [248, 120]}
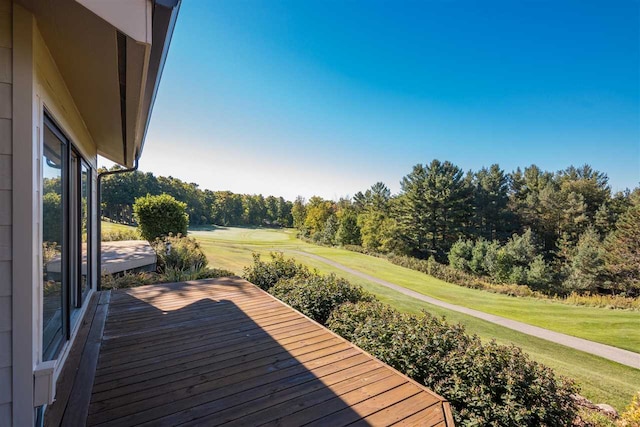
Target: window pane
{"type": "Point", "coordinates": [52, 244]}
{"type": "Point", "coordinates": [85, 188]}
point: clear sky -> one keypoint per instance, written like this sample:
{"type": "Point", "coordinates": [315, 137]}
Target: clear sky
{"type": "Point", "coordinates": [328, 97]}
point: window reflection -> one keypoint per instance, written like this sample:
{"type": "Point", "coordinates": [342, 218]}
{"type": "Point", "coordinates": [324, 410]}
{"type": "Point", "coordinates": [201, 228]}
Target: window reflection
{"type": "Point", "coordinates": [52, 244]}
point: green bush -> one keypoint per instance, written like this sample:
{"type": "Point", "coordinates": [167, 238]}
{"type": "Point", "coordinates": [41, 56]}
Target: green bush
{"type": "Point", "coordinates": [159, 216]}
{"type": "Point", "coordinates": [178, 253]}
{"type": "Point", "coordinates": [317, 296]}
{"type": "Point", "coordinates": [266, 274]}
{"type": "Point", "coordinates": [487, 384]}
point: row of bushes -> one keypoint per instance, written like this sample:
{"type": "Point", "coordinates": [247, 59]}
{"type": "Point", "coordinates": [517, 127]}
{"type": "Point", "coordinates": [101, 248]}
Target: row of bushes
{"type": "Point", "coordinates": [449, 274]}
{"type": "Point", "coordinates": [486, 383]}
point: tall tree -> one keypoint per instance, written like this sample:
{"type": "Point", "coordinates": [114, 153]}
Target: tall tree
{"type": "Point", "coordinates": [622, 253]}
{"type": "Point", "coordinates": [492, 219]}
{"type": "Point", "coordinates": [435, 208]}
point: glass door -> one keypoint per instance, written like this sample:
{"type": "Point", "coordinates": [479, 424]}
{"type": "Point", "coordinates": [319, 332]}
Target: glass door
{"type": "Point", "coordinates": [66, 238]}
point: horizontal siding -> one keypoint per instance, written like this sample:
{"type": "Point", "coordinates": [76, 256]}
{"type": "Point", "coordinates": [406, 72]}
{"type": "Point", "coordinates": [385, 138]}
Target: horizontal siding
{"type": "Point", "coordinates": [5, 413]}
{"type": "Point", "coordinates": [6, 186]}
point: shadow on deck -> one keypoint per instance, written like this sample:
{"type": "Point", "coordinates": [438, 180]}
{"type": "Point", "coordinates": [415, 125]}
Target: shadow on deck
{"type": "Point", "coordinates": [222, 351]}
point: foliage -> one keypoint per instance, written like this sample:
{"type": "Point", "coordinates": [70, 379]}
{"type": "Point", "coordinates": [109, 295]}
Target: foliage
{"type": "Point", "coordinates": [132, 280]}
{"type": "Point", "coordinates": [622, 251]}
{"type": "Point", "coordinates": [487, 384]}
{"type": "Point", "coordinates": [52, 218]}
{"type": "Point", "coordinates": [631, 417]}
{"type": "Point", "coordinates": [593, 418]}
{"type": "Point", "coordinates": [159, 216]}
{"type": "Point", "coordinates": [348, 231]}
{"type": "Point", "coordinates": [603, 301]}
{"type": "Point", "coordinates": [516, 262]}
{"type": "Point", "coordinates": [120, 191]}
{"type": "Point", "coordinates": [433, 208]}
{"type": "Point", "coordinates": [178, 253]}
{"type": "Point", "coordinates": [120, 234]}
{"type": "Point", "coordinates": [129, 280]}
{"type": "Point", "coordinates": [266, 274]}
{"type": "Point", "coordinates": [586, 266]}
{"type": "Point", "coordinates": [457, 277]}
{"type": "Point", "coordinates": [317, 296]}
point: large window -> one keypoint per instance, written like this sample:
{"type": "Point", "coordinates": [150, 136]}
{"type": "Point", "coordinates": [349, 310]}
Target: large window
{"type": "Point", "coordinates": [66, 237]}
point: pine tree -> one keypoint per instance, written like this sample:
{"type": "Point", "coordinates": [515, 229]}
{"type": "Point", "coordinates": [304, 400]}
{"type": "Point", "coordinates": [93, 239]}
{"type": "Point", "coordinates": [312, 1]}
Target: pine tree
{"type": "Point", "coordinates": [622, 253]}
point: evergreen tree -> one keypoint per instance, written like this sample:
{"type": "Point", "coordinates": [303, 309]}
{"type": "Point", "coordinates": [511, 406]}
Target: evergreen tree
{"type": "Point", "coordinates": [587, 266]}
{"type": "Point", "coordinates": [492, 219]}
{"type": "Point", "coordinates": [622, 251]}
{"type": "Point", "coordinates": [434, 208]}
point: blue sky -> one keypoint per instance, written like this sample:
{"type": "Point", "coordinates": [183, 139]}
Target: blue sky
{"type": "Point", "coordinates": [327, 98]}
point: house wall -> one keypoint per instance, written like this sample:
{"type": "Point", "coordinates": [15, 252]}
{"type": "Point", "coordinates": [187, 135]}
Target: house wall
{"type": "Point", "coordinates": [6, 150]}
{"type": "Point", "coordinates": [29, 82]}
{"type": "Point", "coordinates": [51, 92]}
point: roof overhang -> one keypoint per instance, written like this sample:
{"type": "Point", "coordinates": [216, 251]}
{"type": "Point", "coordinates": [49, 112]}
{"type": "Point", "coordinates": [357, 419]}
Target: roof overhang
{"type": "Point", "coordinates": [110, 55]}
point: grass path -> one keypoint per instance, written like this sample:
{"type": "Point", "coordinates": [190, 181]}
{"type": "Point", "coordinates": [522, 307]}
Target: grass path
{"type": "Point", "coordinates": [600, 379]}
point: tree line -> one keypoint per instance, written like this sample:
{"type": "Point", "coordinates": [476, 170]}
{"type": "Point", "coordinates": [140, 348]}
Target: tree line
{"type": "Point", "coordinates": [120, 191]}
{"type": "Point", "coordinates": [556, 232]}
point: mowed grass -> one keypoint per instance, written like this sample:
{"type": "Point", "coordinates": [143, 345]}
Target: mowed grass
{"type": "Point", "coordinates": [108, 227]}
{"type": "Point", "coordinates": [600, 380]}
{"type": "Point", "coordinates": [619, 328]}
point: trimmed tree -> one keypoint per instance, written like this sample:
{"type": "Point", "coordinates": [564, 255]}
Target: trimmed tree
{"type": "Point", "coordinates": [159, 216]}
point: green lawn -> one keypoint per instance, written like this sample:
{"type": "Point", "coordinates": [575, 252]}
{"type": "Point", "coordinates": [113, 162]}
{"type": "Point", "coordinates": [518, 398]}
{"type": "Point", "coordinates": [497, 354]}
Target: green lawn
{"type": "Point", "coordinates": [601, 380]}
{"type": "Point", "coordinates": [111, 226]}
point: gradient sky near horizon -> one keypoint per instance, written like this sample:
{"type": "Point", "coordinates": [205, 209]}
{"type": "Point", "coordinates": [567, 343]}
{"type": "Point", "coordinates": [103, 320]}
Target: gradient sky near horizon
{"type": "Point", "coordinates": [326, 98]}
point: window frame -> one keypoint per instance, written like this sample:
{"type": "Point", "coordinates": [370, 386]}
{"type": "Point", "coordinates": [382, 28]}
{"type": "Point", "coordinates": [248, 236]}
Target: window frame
{"type": "Point", "coordinates": [74, 295]}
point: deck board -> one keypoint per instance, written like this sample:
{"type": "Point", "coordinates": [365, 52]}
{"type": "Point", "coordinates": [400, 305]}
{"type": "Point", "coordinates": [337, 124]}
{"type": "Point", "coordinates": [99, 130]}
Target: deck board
{"type": "Point", "coordinates": [222, 351]}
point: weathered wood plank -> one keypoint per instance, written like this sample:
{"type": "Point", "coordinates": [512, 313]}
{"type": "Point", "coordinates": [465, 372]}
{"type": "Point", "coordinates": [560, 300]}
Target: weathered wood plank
{"type": "Point", "coordinates": [55, 411]}
{"type": "Point", "coordinates": [78, 407]}
{"type": "Point", "coordinates": [224, 351]}
{"type": "Point", "coordinates": [186, 398]}
{"type": "Point", "coordinates": [200, 374]}
{"type": "Point", "coordinates": [177, 358]}
{"type": "Point", "coordinates": [400, 411]}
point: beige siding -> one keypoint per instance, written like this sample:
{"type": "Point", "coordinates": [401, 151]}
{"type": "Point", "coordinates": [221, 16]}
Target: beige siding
{"type": "Point", "coordinates": [6, 102]}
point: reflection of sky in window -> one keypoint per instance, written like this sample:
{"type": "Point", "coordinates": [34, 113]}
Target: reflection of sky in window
{"type": "Point", "coordinates": [52, 155]}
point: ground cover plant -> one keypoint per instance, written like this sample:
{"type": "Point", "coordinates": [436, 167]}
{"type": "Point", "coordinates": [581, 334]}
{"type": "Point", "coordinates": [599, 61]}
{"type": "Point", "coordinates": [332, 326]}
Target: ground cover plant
{"type": "Point", "coordinates": [486, 383]}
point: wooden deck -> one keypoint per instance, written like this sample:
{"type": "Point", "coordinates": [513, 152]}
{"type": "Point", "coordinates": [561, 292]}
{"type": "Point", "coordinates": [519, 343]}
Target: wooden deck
{"type": "Point", "coordinates": [223, 351]}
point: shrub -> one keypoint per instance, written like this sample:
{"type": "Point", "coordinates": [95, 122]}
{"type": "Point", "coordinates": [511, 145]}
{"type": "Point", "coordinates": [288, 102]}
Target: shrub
{"type": "Point", "coordinates": [132, 280]}
{"type": "Point", "coordinates": [179, 253]}
{"type": "Point", "coordinates": [266, 274]}
{"type": "Point", "coordinates": [129, 280]}
{"type": "Point", "coordinates": [460, 255]}
{"type": "Point", "coordinates": [631, 417]}
{"type": "Point", "coordinates": [487, 384]}
{"type": "Point", "coordinates": [317, 296]}
{"type": "Point", "coordinates": [159, 216]}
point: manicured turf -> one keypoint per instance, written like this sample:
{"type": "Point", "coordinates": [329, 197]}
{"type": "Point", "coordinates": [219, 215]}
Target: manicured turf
{"type": "Point", "coordinates": [601, 380]}
{"type": "Point", "coordinates": [111, 226]}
